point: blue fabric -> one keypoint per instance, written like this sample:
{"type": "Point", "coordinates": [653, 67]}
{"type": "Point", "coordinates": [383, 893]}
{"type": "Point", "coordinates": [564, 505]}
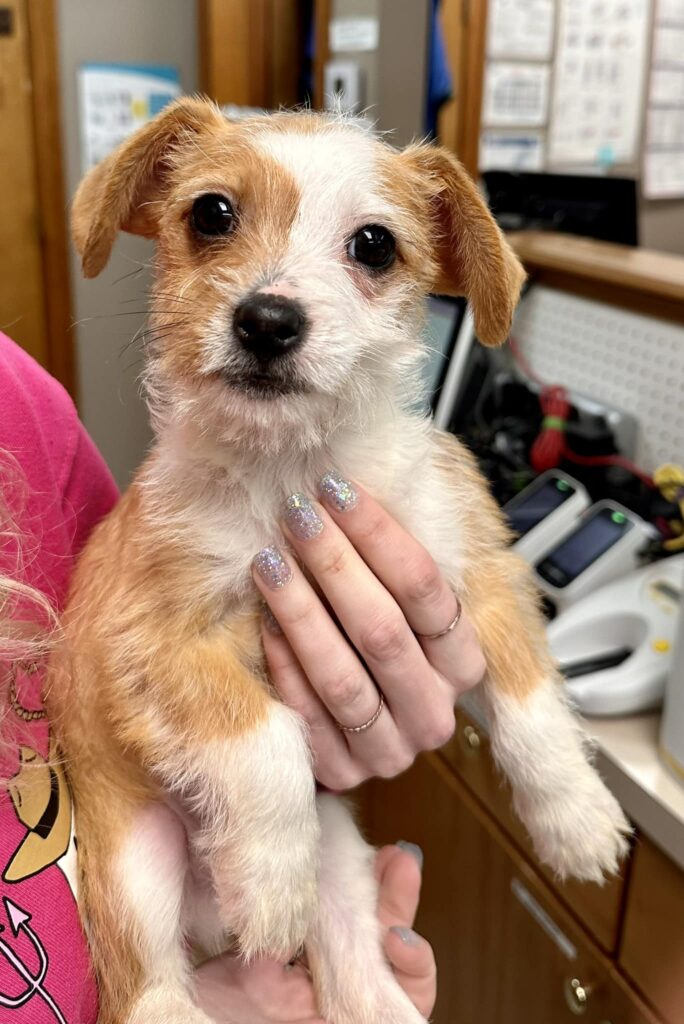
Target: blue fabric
{"type": "Point", "coordinates": [439, 88]}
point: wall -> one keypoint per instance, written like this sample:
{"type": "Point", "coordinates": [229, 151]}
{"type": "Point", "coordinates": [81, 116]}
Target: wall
{"type": "Point", "coordinates": [661, 224]}
{"type": "Point", "coordinates": [394, 76]}
{"type": "Point", "coordinates": [110, 309]}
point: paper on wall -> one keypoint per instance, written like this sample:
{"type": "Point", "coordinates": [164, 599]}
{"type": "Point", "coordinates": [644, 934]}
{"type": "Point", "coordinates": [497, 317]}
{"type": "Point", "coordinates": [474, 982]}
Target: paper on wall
{"type": "Point", "coordinates": [115, 100]}
{"type": "Point", "coordinates": [667, 87]}
{"type": "Point", "coordinates": [507, 151]}
{"type": "Point", "coordinates": [671, 11]}
{"type": "Point", "coordinates": [663, 166]}
{"type": "Point", "coordinates": [668, 45]}
{"type": "Point", "coordinates": [664, 174]}
{"type": "Point", "coordinates": [520, 28]}
{"type": "Point", "coordinates": [515, 95]}
{"type": "Point", "coordinates": [600, 64]}
{"type": "Point", "coordinates": [353, 35]}
{"type": "Point", "coordinates": [665, 128]}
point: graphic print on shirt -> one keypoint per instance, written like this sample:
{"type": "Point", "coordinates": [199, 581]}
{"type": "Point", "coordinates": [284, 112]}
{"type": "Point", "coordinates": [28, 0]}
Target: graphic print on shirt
{"type": "Point", "coordinates": [41, 801]}
{"type": "Point", "coordinates": [34, 982]}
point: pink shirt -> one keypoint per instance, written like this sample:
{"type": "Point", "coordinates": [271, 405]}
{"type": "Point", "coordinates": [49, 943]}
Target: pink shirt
{"type": "Point", "coordinates": [44, 972]}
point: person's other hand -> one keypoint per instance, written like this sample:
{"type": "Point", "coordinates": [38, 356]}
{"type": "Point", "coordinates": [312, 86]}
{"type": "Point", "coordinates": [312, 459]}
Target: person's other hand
{"type": "Point", "coordinates": [331, 656]}
{"type": "Point", "coordinates": [266, 992]}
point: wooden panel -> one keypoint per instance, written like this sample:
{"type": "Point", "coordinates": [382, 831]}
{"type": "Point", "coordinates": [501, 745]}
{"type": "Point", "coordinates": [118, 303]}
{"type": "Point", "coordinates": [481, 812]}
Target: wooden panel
{"type": "Point", "coordinates": [287, 52]}
{"type": "Point", "coordinates": [50, 179]}
{"type": "Point", "coordinates": [233, 56]}
{"type": "Point", "coordinates": [506, 948]}
{"type": "Point", "coordinates": [451, 14]}
{"type": "Point", "coordinates": [252, 51]}
{"type": "Point", "coordinates": [472, 83]}
{"type": "Point", "coordinates": [22, 310]}
{"type": "Point", "coordinates": [322, 13]}
{"type": "Point", "coordinates": [598, 908]}
{"type": "Point", "coordinates": [652, 952]}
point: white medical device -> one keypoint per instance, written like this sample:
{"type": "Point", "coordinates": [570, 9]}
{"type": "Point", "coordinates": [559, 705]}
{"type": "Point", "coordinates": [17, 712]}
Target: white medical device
{"type": "Point", "coordinates": [603, 544]}
{"type": "Point", "coordinates": [545, 511]}
{"type": "Point", "coordinates": [616, 646]}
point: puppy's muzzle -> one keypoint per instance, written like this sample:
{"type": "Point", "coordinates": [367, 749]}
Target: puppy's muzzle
{"type": "Point", "coordinates": [269, 326]}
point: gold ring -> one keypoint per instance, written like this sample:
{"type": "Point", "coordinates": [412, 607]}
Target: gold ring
{"type": "Point", "coordinates": [452, 625]}
{"type": "Point", "coordinates": [366, 725]}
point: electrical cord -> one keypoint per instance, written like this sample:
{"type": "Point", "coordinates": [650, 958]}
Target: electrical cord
{"type": "Point", "coordinates": [550, 446]}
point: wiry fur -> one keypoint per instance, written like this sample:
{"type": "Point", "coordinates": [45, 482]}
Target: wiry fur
{"type": "Point", "coordinates": [159, 694]}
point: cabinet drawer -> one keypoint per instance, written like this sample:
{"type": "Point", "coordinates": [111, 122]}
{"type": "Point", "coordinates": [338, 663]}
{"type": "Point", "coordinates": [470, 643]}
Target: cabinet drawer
{"type": "Point", "coordinates": [508, 952]}
{"type": "Point", "coordinates": [597, 907]}
{"type": "Point", "coordinates": [652, 950]}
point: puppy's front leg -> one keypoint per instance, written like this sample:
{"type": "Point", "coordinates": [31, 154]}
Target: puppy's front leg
{"type": "Point", "coordinates": [575, 822]}
{"type": "Point", "coordinates": [259, 832]}
{"type": "Point", "coordinates": [240, 762]}
{"type": "Point", "coordinates": [353, 981]}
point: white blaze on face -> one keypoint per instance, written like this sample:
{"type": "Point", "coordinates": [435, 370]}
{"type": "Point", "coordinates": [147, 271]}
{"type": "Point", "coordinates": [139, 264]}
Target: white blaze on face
{"type": "Point", "coordinates": [336, 171]}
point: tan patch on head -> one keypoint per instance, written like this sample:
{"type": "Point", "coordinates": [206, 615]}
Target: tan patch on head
{"type": "Point", "coordinates": [197, 271]}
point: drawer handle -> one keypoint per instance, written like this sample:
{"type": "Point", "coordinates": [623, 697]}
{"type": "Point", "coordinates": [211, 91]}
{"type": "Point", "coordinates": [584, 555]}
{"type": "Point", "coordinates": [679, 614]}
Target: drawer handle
{"type": "Point", "coordinates": [472, 738]}
{"type": "Point", "coordinates": [577, 996]}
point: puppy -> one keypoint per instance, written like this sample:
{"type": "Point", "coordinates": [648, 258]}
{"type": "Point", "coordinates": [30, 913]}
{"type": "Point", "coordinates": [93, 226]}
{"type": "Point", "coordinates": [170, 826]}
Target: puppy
{"type": "Point", "coordinates": [196, 806]}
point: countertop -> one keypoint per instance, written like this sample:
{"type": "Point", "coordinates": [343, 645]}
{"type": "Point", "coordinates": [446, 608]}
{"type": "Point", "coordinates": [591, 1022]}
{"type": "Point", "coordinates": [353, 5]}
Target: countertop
{"type": "Point", "coordinates": [650, 793]}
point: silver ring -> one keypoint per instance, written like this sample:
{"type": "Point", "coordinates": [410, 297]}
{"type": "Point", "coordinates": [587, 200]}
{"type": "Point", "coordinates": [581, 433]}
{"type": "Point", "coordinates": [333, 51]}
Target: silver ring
{"type": "Point", "coordinates": [452, 625]}
{"type": "Point", "coordinates": [366, 725]}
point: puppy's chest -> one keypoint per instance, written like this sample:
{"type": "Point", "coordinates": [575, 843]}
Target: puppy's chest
{"type": "Point", "coordinates": [415, 494]}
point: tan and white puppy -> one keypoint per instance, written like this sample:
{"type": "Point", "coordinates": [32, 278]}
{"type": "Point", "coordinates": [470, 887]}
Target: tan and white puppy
{"type": "Point", "coordinates": [196, 808]}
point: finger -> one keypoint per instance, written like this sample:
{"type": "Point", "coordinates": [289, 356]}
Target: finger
{"type": "Point", "coordinates": [375, 625]}
{"type": "Point", "coordinates": [399, 886]}
{"type": "Point", "coordinates": [413, 961]}
{"type": "Point", "coordinates": [329, 662]}
{"type": "Point", "coordinates": [398, 870]}
{"type": "Point", "coordinates": [411, 575]}
{"type": "Point", "coordinates": [333, 763]}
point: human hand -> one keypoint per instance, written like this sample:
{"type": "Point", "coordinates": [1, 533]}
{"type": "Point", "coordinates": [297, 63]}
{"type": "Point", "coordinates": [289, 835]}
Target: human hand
{"type": "Point", "coordinates": [383, 589]}
{"type": "Point", "coordinates": [267, 992]}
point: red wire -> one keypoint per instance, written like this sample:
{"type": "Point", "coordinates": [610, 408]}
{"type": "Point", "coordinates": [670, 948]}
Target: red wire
{"type": "Point", "coordinates": [550, 447]}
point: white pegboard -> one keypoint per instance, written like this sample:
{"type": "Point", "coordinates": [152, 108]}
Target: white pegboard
{"type": "Point", "coordinates": [631, 361]}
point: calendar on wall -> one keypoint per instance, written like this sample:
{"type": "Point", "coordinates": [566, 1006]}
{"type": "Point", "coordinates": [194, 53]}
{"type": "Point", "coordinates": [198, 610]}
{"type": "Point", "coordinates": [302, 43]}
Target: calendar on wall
{"type": "Point", "coordinates": [565, 82]}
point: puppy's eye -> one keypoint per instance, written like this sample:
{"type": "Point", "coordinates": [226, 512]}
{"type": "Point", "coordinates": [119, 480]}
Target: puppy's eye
{"type": "Point", "coordinates": [212, 215]}
{"type": "Point", "coordinates": [374, 246]}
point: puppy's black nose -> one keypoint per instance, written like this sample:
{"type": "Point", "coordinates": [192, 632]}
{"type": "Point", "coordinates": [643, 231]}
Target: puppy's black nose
{"type": "Point", "coordinates": [269, 325]}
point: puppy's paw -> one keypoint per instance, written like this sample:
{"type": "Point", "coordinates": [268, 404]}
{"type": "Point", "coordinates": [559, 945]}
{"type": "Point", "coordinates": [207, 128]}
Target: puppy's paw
{"type": "Point", "coordinates": [275, 918]}
{"type": "Point", "coordinates": [381, 1003]}
{"type": "Point", "coordinates": [581, 833]}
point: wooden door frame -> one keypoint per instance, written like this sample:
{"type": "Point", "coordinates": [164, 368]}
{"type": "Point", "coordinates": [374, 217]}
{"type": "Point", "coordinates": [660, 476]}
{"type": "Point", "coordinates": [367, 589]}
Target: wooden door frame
{"type": "Point", "coordinates": [251, 51]}
{"type": "Point", "coordinates": [54, 237]}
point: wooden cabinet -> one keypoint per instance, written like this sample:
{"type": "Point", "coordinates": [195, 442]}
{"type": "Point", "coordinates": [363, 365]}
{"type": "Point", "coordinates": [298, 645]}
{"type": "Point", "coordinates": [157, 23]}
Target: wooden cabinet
{"type": "Point", "coordinates": [652, 951]}
{"type": "Point", "coordinates": [597, 908]}
{"type": "Point", "coordinates": [508, 951]}
{"type": "Point", "coordinates": [34, 284]}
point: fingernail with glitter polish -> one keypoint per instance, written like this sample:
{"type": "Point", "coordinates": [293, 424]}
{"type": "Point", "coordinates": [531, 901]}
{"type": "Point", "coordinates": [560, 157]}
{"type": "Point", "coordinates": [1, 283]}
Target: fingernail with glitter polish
{"type": "Point", "coordinates": [334, 489]}
{"type": "Point", "coordinates": [413, 849]}
{"type": "Point", "coordinates": [272, 568]}
{"type": "Point", "coordinates": [270, 621]}
{"type": "Point", "coordinates": [302, 517]}
{"type": "Point", "coordinates": [407, 935]}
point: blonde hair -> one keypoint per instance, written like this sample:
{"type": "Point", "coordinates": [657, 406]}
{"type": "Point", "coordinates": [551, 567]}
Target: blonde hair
{"type": "Point", "coordinates": [28, 620]}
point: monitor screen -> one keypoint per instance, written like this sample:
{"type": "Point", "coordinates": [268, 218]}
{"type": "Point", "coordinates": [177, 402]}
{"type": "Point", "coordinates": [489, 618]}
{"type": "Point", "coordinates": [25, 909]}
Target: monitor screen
{"type": "Point", "coordinates": [584, 546]}
{"type": "Point", "coordinates": [537, 502]}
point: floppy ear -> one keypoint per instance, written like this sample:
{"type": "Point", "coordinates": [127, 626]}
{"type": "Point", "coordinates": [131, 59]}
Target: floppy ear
{"type": "Point", "coordinates": [473, 257]}
{"type": "Point", "coordinates": [112, 197]}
